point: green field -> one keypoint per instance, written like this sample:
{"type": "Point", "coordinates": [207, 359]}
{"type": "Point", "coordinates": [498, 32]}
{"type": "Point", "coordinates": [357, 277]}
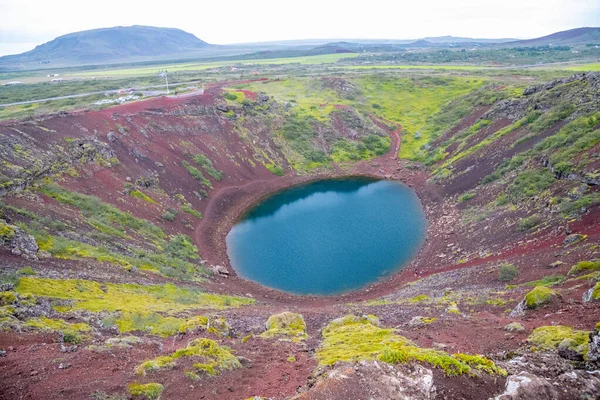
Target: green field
{"type": "Point", "coordinates": [584, 67]}
{"type": "Point", "coordinates": [444, 67]}
{"type": "Point", "coordinates": [321, 59]}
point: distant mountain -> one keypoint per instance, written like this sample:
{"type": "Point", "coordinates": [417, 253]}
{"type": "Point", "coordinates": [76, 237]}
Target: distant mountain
{"type": "Point", "coordinates": [108, 45]}
{"type": "Point", "coordinates": [570, 37]}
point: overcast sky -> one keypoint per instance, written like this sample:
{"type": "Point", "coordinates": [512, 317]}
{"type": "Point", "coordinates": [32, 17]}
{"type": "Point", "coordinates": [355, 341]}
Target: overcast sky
{"type": "Point", "coordinates": [25, 24]}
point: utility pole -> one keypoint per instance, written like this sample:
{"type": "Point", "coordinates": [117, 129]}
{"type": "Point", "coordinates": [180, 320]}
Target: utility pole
{"type": "Point", "coordinates": [167, 81]}
{"type": "Point", "coordinates": [164, 73]}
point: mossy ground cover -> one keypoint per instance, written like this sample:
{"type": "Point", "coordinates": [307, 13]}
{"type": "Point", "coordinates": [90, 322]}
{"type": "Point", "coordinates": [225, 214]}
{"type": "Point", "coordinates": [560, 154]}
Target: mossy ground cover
{"type": "Point", "coordinates": [410, 101]}
{"type": "Point", "coordinates": [145, 245]}
{"type": "Point", "coordinates": [96, 297]}
{"type": "Point", "coordinates": [551, 337]}
{"type": "Point", "coordinates": [212, 359]}
{"type": "Point", "coordinates": [587, 266]}
{"type": "Point", "coordinates": [286, 325]}
{"type": "Point", "coordinates": [72, 332]}
{"type": "Point", "coordinates": [149, 391]}
{"type": "Point", "coordinates": [354, 338]}
{"type": "Point", "coordinates": [539, 296]}
{"type": "Point", "coordinates": [157, 324]}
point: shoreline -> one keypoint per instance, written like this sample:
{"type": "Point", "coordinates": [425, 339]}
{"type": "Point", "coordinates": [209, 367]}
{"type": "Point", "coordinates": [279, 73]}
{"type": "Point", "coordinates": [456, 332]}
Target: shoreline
{"type": "Point", "coordinates": [231, 203]}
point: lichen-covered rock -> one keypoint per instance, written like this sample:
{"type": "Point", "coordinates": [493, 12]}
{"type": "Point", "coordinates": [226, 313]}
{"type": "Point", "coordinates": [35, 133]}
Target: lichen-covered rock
{"type": "Point", "coordinates": [527, 386]}
{"type": "Point", "coordinates": [373, 380]}
{"type": "Point", "coordinates": [420, 321]}
{"type": "Point", "coordinates": [20, 242]}
{"type": "Point", "coordinates": [593, 354]}
{"type": "Point", "coordinates": [23, 244]}
{"type": "Point", "coordinates": [573, 238]}
{"type": "Point", "coordinates": [285, 325]}
{"type": "Point", "coordinates": [453, 309]}
{"type": "Point", "coordinates": [514, 327]}
{"type": "Point", "coordinates": [593, 294]}
{"type": "Point", "coordinates": [220, 270]}
{"type": "Point", "coordinates": [571, 344]}
{"type": "Point", "coordinates": [539, 296]}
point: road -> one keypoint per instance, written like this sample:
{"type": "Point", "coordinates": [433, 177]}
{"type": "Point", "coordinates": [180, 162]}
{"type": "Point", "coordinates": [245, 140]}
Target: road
{"type": "Point", "coordinates": [73, 96]}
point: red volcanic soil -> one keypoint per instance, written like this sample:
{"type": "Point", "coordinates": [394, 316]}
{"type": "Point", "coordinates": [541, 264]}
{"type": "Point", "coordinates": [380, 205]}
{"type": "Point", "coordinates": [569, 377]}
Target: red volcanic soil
{"type": "Point", "coordinates": [463, 257]}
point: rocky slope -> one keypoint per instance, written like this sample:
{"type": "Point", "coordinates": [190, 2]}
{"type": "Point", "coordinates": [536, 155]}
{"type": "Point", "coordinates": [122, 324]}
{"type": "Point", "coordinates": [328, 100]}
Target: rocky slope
{"type": "Point", "coordinates": [115, 281]}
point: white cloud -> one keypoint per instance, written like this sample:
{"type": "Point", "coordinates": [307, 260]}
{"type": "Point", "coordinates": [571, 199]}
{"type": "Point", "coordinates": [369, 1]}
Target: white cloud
{"type": "Point", "coordinates": [236, 21]}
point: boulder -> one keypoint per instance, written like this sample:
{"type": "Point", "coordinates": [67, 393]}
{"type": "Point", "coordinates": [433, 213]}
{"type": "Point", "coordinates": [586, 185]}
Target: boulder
{"type": "Point", "coordinates": [593, 354]}
{"type": "Point", "coordinates": [593, 294]}
{"type": "Point", "coordinates": [285, 324]}
{"type": "Point", "coordinates": [526, 386]}
{"type": "Point", "coordinates": [220, 270]}
{"type": "Point", "coordinates": [573, 238]}
{"type": "Point", "coordinates": [514, 327]}
{"type": "Point", "coordinates": [555, 264]}
{"type": "Point", "coordinates": [20, 242]}
{"type": "Point", "coordinates": [373, 380]}
{"type": "Point", "coordinates": [539, 296]}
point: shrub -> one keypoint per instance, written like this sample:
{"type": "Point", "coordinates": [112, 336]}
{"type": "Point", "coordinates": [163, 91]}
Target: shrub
{"type": "Point", "coordinates": [169, 214]}
{"type": "Point", "coordinates": [528, 223]}
{"type": "Point", "coordinates": [196, 174]}
{"type": "Point", "coordinates": [465, 197]}
{"type": "Point", "coordinates": [275, 169]}
{"type": "Point", "coordinates": [208, 166]}
{"type": "Point", "coordinates": [531, 182]}
{"type": "Point", "coordinates": [508, 272]}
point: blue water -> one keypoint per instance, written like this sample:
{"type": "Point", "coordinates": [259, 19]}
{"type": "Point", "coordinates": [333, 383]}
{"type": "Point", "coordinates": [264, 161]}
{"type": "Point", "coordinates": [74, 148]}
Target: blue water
{"type": "Point", "coordinates": [329, 236]}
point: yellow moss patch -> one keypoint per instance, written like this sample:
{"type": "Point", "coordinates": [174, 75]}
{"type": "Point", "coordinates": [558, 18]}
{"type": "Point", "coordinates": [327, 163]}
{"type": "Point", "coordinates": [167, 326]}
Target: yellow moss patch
{"type": "Point", "coordinates": [551, 337]}
{"type": "Point", "coordinates": [150, 391]}
{"type": "Point", "coordinates": [7, 232]}
{"type": "Point", "coordinates": [539, 296]}
{"type": "Point", "coordinates": [286, 324]}
{"type": "Point", "coordinates": [7, 298]}
{"type": "Point", "coordinates": [71, 332]}
{"type": "Point", "coordinates": [585, 266]}
{"type": "Point", "coordinates": [92, 296]}
{"type": "Point", "coordinates": [354, 338]}
{"type": "Point", "coordinates": [138, 194]}
{"type": "Point", "coordinates": [212, 356]}
{"type": "Point", "coordinates": [418, 299]}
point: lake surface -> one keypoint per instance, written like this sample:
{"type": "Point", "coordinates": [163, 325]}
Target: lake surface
{"type": "Point", "coordinates": [329, 236]}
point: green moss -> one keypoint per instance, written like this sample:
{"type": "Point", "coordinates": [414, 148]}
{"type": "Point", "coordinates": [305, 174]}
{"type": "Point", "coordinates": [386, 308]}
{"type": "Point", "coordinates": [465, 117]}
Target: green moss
{"type": "Point", "coordinates": [150, 391]}
{"type": "Point", "coordinates": [354, 338]}
{"type": "Point", "coordinates": [550, 280]}
{"type": "Point", "coordinates": [539, 296]}
{"type": "Point", "coordinates": [481, 363]}
{"type": "Point", "coordinates": [551, 337]}
{"type": "Point", "coordinates": [213, 356]}
{"type": "Point", "coordinates": [196, 174]}
{"type": "Point", "coordinates": [140, 195]}
{"type": "Point", "coordinates": [95, 297]}
{"type": "Point", "coordinates": [585, 266]}
{"type": "Point", "coordinates": [275, 169]}
{"type": "Point", "coordinates": [208, 166]}
{"type": "Point", "coordinates": [453, 308]}
{"type": "Point", "coordinates": [7, 232]}
{"type": "Point", "coordinates": [285, 325]}
{"type": "Point", "coordinates": [596, 292]}
{"type": "Point", "coordinates": [419, 298]}
{"type": "Point", "coordinates": [191, 211]}
{"type": "Point", "coordinates": [7, 298]}
{"type": "Point", "coordinates": [291, 359]}
{"type": "Point", "coordinates": [71, 332]}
